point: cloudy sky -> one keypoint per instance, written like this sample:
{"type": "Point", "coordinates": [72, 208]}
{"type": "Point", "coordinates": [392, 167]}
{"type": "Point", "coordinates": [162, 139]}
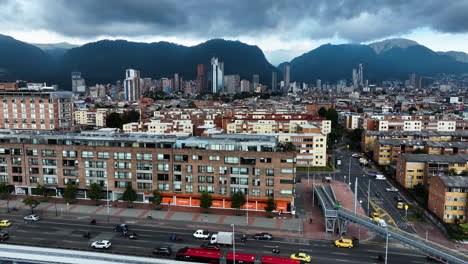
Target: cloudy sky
{"type": "Point", "coordinates": [282, 28]}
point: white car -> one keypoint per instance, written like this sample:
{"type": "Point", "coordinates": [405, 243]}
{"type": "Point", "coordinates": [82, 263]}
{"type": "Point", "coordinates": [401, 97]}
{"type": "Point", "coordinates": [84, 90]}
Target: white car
{"type": "Point", "coordinates": [391, 189]}
{"type": "Point", "coordinates": [203, 234]}
{"type": "Point", "coordinates": [33, 217]}
{"type": "Point", "coordinates": [101, 244]}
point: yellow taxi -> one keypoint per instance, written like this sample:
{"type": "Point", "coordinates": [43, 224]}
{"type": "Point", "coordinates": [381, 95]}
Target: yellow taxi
{"type": "Point", "coordinates": [301, 256]}
{"type": "Point", "coordinates": [375, 216]}
{"type": "Point", "coordinates": [344, 242]}
{"type": "Point", "coordinates": [400, 205]}
{"type": "Point", "coordinates": [5, 223]}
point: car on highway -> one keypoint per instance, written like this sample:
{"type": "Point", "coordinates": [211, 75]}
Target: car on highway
{"type": "Point", "coordinates": [400, 205]}
{"type": "Point", "coordinates": [301, 256]}
{"type": "Point", "coordinates": [33, 218]}
{"type": "Point", "coordinates": [5, 223]}
{"type": "Point", "coordinates": [202, 234]}
{"type": "Point", "coordinates": [162, 251]}
{"type": "Point", "coordinates": [375, 216]}
{"type": "Point", "coordinates": [381, 222]}
{"type": "Point", "coordinates": [344, 242]}
{"type": "Point", "coordinates": [391, 189]}
{"type": "Point", "coordinates": [210, 246]}
{"type": "Point", "coordinates": [263, 236]}
{"type": "Point", "coordinates": [101, 244]}
{"type": "Point", "coordinates": [4, 235]}
{"type": "Point", "coordinates": [356, 156]}
{"type": "Point", "coordinates": [120, 228]}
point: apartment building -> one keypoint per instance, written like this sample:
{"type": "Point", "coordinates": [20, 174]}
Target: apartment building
{"type": "Point", "coordinates": [448, 198]}
{"type": "Point", "coordinates": [413, 169]}
{"type": "Point", "coordinates": [156, 126]}
{"type": "Point", "coordinates": [35, 110]}
{"type": "Point", "coordinates": [387, 151]}
{"type": "Point", "coordinates": [85, 117]}
{"type": "Point", "coordinates": [180, 168]}
{"type": "Point", "coordinates": [369, 137]}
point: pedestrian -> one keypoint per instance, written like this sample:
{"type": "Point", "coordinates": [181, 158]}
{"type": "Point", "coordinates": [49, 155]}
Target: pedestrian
{"type": "Point", "coordinates": [310, 220]}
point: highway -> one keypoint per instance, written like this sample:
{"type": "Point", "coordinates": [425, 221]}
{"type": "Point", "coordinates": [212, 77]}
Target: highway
{"type": "Point", "coordinates": [68, 234]}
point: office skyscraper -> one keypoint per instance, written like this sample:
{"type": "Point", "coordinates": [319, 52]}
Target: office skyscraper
{"type": "Point", "coordinates": [360, 76]}
{"type": "Point", "coordinates": [274, 81]}
{"type": "Point", "coordinates": [176, 83]}
{"type": "Point", "coordinates": [255, 82]}
{"type": "Point", "coordinates": [132, 85]}
{"type": "Point", "coordinates": [201, 78]}
{"type": "Point", "coordinates": [287, 76]}
{"type": "Point", "coordinates": [217, 71]}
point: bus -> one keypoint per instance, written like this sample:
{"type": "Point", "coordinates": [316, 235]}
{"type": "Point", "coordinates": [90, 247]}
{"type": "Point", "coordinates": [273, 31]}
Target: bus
{"type": "Point", "coordinates": [198, 255]}
{"type": "Point", "coordinates": [240, 258]}
{"type": "Point", "coordinates": [278, 260]}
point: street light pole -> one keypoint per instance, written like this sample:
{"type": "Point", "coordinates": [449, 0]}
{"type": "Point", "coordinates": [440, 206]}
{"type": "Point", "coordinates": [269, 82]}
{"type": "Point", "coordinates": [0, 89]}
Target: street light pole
{"type": "Point", "coordinates": [349, 171]}
{"type": "Point", "coordinates": [386, 249]}
{"type": "Point", "coordinates": [368, 198]}
{"type": "Point", "coordinates": [247, 207]}
{"type": "Point", "coordinates": [107, 194]}
{"type": "Point", "coordinates": [355, 195]}
{"type": "Point", "coordinates": [308, 172]}
{"type": "Point", "coordinates": [233, 244]}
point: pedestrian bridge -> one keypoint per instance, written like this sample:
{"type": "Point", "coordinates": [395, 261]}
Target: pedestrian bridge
{"type": "Point", "coordinates": [338, 218]}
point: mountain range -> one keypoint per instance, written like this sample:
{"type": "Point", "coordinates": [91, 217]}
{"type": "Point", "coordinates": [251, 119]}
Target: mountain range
{"type": "Point", "coordinates": [105, 61]}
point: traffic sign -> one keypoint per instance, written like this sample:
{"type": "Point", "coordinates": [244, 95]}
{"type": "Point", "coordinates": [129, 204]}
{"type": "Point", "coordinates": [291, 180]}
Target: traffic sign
{"type": "Point", "coordinates": [406, 207]}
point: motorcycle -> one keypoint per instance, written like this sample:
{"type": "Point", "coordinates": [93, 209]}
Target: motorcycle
{"type": "Point", "coordinates": [275, 250]}
{"type": "Point", "coordinates": [93, 222]}
{"type": "Point", "coordinates": [380, 258]}
{"type": "Point", "coordinates": [133, 236]}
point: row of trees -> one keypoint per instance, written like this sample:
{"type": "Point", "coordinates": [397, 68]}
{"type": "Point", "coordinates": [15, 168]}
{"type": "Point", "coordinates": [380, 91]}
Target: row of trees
{"type": "Point", "coordinates": [116, 120]}
{"type": "Point", "coordinates": [95, 193]}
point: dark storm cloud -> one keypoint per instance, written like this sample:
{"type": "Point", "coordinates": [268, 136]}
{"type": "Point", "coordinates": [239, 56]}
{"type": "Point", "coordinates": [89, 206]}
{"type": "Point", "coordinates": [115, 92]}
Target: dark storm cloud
{"type": "Point", "coordinates": [359, 20]}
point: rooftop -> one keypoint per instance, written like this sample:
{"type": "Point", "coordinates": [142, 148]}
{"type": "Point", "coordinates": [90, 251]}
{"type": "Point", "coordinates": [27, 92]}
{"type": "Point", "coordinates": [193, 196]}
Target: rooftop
{"type": "Point", "coordinates": [455, 181]}
{"type": "Point", "coordinates": [458, 158]}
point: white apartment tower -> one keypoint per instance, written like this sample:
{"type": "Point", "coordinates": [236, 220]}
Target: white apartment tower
{"type": "Point", "coordinates": [132, 86]}
{"type": "Point", "coordinates": [217, 75]}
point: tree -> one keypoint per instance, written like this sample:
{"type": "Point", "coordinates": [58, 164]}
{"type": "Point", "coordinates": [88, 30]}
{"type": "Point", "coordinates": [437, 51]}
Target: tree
{"type": "Point", "coordinates": [31, 202]}
{"type": "Point", "coordinates": [270, 205]}
{"type": "Point", "coordinates": [453, 172]}
{"type": "Point", "coordinates": [42, 191]}
{"type": "Point", "coordinates": [412, 109]}
{"type": "Point", "coordinates": [129, 195]}
{"type": "Point", "coordinates": [114, 120]}
{"type": "Point", "coordinates": [419, 151]}
{"type": "Point", "coordinates": [95, 192]}
{"type": "Point", "coordinates": [322, 112]}
{"type": "Point", "coordinates": [157, 198]}
{"type": "Point", "coordinates": [69, 193]}
{"type": "Point", "coordinates": [237, 200]}
{"type": "Point", "coordinates": [206, 201]}
{"type": "Point", "coordinates": [192, 105]}
{"type": "Point", "coordinates": [332, 115]}
{"type": "Point", "coordinates": [5, 194]}
{"type": "Point", "coordinates": [130, 116]}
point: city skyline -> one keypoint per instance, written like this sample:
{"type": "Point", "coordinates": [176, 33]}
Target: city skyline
{"type": "Point", "coordinates": [280, 37]}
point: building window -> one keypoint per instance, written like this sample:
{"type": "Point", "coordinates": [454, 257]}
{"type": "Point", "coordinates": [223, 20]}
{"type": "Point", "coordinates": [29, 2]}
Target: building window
{"type": "Point", "coordinates": [257, 171]}
{"type": "Point", "coordinates": [69, 154]}
{"type": "Point", "coordinates": [188, 168]}
{"type": "Point", "coordinates": [122, 184]}
{"type": "Point", "coordinates": [201, 168]}
{"type": "Point", "coordinates": [231, 160]}
{"type": "Point", "coordinates": [177, 187]}
{"type": "Point", "coordinates": [222, 170]}
{"type": "Point", "coordinates": [163, 177]}
{"type": "Point", "coordinates": [164, 157]}
{"type": "Point", "coordinates": [103, 155]}
{"type": "Point", "coordinates": [122, 165]}
{"type": "Point", "coordinates": [201, 179]}
{"type": "Point", "coordinates": [144, 156]}
{"type": "Point", "coordinates": [181, 158]}
{"type": "Point", "coordinates": [16, 161]}
{"type": "Point", "coordinates": [270, 172]}
{"type": "Point", "coordinates": [144, 186]}
{"type": "Point", "coordinates": [122, 175]}
{"type": "Point", "coordinates": [49, 162]}
{"type": "Point", "coordinates": [188, 178]}
{"type": "Point", "coordinates": [270, 182]}
{"type": "Point", "coordinates": [201, 188]}
{"type": "Point", "coordinates": [269, 192]}
{"type": "Point", "coordinates": [255, 192]}
{"type": "Point", "coordinates": [144, 166]}
{"type": "Point", "coordinates": [87, 154]}
{"type": "Point", "coordinates": [32, 152]}
{"type": "Point", "coordinates": [287, 171]}
{"type": "Point", "coordinates": [188, 188]}
{"type": "Point", "coordinates": [123, 155]}
{"type": "Point", "coordinates": [222, 190]}
{"type": "Point", "coordinates": [209, 179]}
{"type": "Point", "coordinates": [163, 167]}
{"type": "Point", "coordinates": [163, 186]}
{"type": "Point", "coordinates": [265, 160]}
{"type": "Point", "coordinates": [144, 176]}
{"type": "Point", "coordinates": [210, 189]}
{"type": "Point", "coordinates": [214, 158]}
{"type": "Point", "coordinates": [256, 182]}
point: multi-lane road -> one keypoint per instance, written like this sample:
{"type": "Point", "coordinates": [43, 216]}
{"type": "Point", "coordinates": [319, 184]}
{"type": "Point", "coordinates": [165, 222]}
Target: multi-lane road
{"type": "Point", "coordinates": [68, 233]}
{"type": "Point", "coordinates": [381, 200]}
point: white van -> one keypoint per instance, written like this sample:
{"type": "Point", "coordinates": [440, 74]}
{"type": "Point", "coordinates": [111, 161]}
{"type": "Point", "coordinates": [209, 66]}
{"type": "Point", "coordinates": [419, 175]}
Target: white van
{"type": "Point", "coordinates": [381, 222]}
{"type": "Point", "coordinates": [380, 177]}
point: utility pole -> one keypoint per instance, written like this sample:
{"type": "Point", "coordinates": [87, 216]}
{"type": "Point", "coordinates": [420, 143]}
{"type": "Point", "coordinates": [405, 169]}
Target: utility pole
{"type": "Point", "coordinates": [349, 171]}
{"type": "Point", "coordinates": [386, 249]}
{"type": "Point", "coordinates": [368, 198]}
{"type": "Point", "coordinates": [107, 203]}
{"type": "Point", "coordinates": [355, 195]}
{"type": "Point", "coordinates": [246, 207]}
{"type": "Point", "coordinates": [233, 245]}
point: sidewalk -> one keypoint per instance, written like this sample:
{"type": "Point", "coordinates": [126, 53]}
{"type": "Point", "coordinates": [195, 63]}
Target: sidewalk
{"type": "Point", "coordinates": [257, 221]}
{"type": "Point", "coordinates": [435, 235]}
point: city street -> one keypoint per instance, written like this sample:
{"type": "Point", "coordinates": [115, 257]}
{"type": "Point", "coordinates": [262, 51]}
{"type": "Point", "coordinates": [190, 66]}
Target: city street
{"type": "Point", "coordinates": [68, 233]}
{"type": "Point", "coordinates": [381, 201]}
